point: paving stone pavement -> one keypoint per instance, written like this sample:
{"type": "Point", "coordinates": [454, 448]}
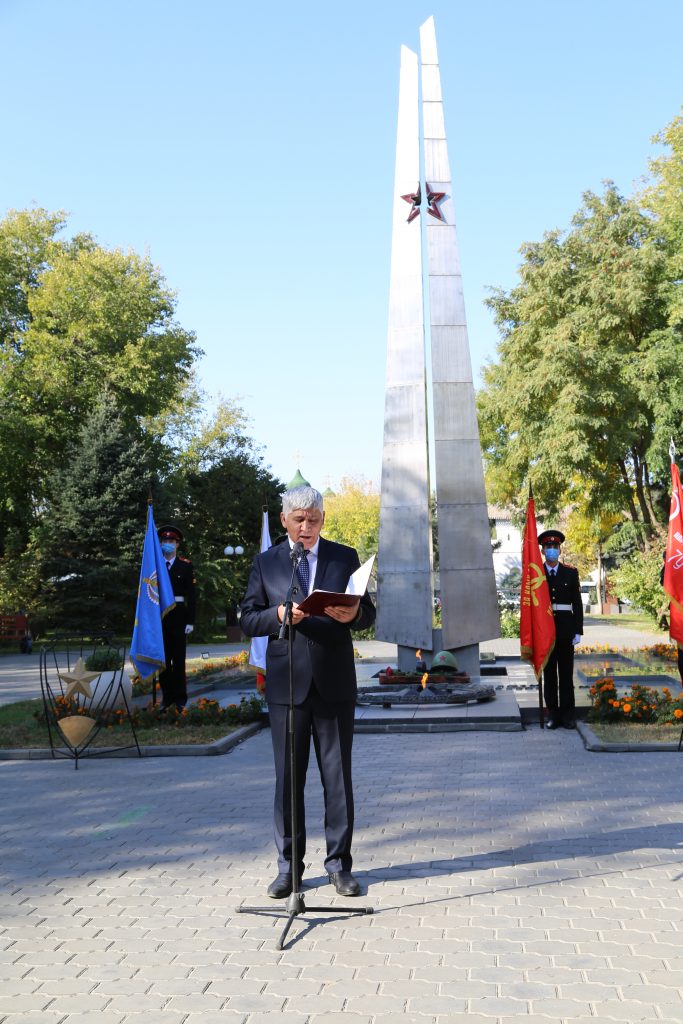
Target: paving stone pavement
{"type": "Point", "coordinates": [513, 876]}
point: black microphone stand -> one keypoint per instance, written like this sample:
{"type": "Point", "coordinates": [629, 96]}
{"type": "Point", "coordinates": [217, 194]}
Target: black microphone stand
{"type": "Point", "coordinates": [295, 904]}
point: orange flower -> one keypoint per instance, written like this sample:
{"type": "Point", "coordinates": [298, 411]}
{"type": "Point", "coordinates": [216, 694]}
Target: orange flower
{"type": "Point", "coordinates": [627, 708]}
{"type": "Point", "coordinates": [678, 713]}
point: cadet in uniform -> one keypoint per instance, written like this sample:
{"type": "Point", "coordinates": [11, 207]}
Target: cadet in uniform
{"type": "Point", "coordinates": [178, 623]}
{"type": "Point", "coordinates": [565, 598]}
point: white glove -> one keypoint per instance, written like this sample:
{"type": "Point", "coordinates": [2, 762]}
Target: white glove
{"type": "Point", "coordinates": [188, 630]}
{"type": "Point", "coordinates": [577, 639]}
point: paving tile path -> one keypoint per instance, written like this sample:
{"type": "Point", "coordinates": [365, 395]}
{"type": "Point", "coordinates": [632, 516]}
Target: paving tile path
{"type": "Point", "coordinates": [514, 877]}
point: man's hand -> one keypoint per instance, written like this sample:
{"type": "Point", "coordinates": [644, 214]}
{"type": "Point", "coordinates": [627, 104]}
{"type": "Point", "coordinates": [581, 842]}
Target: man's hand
{"type": "Point", "coordinates": [297, 615]}
{"type": "Point", "coordinates": [577, 639]}
{"type": "Point", "coordinates": [188, 629]}
{"type": "Point", "coordinates": [343, 612]}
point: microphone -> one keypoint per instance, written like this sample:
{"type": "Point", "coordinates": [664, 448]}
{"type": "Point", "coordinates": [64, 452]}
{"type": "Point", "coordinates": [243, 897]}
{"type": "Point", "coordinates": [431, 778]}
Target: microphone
{"type": "Point", "coordinates": [297, 552]}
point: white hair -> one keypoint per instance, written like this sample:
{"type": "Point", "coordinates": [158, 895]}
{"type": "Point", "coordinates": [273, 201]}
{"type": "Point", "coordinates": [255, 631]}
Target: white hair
{"type": "Point", "coordinates": [301, 497]}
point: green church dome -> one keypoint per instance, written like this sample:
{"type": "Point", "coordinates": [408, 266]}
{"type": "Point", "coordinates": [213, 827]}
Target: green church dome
{"type": "Point", "coordinates": [297, 481]}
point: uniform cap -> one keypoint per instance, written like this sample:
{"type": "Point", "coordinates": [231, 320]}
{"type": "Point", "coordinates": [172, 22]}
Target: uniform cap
{"type": "Point", "coordinates": [548, 536]}
{"type": "Point", "coordinates": [170, 531]}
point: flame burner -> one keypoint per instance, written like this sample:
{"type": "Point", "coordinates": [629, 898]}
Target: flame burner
{"type": "Point", "coordinates": [463, 691]}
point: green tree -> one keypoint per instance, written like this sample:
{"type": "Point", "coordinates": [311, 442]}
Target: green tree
{"type": "Point", "coordinates": [637, 580]}
{"type": "Point", "coordinates": [664, 197]}
{"type": "Point", "coordinates": [586, 391]}
{"type": "Point", "coordinates": [88, 545]}
{"type": "Point", "coordinates": [75, 319]}
{"type": "Point", "coordinates": [352, 516]}
{"type": "Point", "coordinates": [26, 241]}
{"type": "Point", "coordinates": [216, 489]}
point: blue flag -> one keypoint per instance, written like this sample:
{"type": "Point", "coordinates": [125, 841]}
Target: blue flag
{"type": "Point", "coordinates": [155, 599]}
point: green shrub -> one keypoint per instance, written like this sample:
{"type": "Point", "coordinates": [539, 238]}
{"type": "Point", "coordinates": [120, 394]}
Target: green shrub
{"type": "Point", "coordinates": [104, 659]}
{"type": "Point", "coordinates": [638, 580]}
{"type": "Point", "coordinates": [509, 624]}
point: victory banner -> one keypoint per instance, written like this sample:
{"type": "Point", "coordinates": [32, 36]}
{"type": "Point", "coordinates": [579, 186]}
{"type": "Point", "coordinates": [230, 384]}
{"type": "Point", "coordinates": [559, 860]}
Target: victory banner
{"type": "Point", "coordinates": [673, 566]}
{"type": "Point", "coordinates": [536, 622]}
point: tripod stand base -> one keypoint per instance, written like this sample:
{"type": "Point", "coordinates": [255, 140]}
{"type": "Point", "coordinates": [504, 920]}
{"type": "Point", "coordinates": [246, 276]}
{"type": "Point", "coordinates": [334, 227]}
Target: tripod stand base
{"type": "Point", "coordinates": [295, 907]}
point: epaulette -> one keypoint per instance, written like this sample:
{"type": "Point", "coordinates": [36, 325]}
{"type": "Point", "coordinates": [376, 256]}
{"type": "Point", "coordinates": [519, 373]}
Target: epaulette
{"type": "Point", "coordinates": [568, 566]}
{"type": "Point", "coordinates": [181, 559]}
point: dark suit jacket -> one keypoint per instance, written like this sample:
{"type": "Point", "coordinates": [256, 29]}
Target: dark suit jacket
{"type": "Point", "coordinates": [183, 581]}
{"type": "Point", "coordinates": [565, 589]}
{"type": "Point", "coordinates": [322, 648]}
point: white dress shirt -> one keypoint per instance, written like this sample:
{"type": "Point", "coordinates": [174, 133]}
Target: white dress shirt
{"type": "Point", "coordinates": [312, 565]}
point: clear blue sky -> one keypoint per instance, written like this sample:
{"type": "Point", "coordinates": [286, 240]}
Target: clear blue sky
{"type": "Point", "coordinates": [250, 150]}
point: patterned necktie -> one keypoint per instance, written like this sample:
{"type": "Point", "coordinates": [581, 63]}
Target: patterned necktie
{"type": "Point", "coordinates": [168, 566]}
{"type": "Point", "coordinates": [303, 571]}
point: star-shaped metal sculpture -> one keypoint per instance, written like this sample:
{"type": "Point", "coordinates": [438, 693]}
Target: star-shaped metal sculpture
{"type": "Point", "coordinates": [415, 199]}
{"type": "Point", "coordinates": [79, 680]}
{"type": "Point", "coordinates": [432, 199]}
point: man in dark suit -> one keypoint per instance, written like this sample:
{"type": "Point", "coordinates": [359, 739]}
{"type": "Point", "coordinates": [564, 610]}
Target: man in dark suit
{"type": "Point", "coordinates": [324, 681]}
{"type": "Point", "coordinates": [567, 606]}
{"type": "Point", "coordinates": [179, 622]}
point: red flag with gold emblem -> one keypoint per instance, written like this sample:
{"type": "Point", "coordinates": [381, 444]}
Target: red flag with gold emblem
{"type": "Point", "coordinates": [673, 568]}
{"type": "Point", "coordinates": [536, 621]}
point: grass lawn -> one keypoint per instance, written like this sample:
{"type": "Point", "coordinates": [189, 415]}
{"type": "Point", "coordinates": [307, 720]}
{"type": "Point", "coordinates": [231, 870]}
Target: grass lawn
{"type": "Point", "coordinates": [19, 729]}
{"type": "Point", "coordinates": [635, 732]}
{"type": "Point", "coordinates": [633, 620]}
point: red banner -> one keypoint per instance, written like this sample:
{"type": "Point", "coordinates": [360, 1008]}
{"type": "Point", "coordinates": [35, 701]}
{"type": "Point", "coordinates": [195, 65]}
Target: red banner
{"type": "Point", "coordinates": [673, 569]}
{"type": "Point", "coordinates": [536, 622]}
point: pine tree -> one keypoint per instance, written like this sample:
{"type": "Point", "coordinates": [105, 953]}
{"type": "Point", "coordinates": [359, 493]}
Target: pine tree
{"type": "Point", "coordinates": [89, 541]}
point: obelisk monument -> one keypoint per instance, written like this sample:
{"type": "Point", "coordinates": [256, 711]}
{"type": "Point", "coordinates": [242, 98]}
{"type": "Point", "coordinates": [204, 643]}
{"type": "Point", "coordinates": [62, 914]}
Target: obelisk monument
{"type": "Point", "coordinates": [423, 210]}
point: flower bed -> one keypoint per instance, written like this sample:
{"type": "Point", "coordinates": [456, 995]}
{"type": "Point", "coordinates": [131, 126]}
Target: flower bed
{"type": "Point", "coordinates": [203, 712]}
{"type": "Point", "coordinates": [199, 670]}
{"type": "Point", "coordinates": [652, 665]}
{"type": "Point", "coordinates": [643, 704]}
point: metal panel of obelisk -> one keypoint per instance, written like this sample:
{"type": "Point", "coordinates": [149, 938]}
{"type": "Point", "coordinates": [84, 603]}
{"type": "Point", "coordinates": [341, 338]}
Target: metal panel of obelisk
{"type": "Point", "coordinates": [405, 584]}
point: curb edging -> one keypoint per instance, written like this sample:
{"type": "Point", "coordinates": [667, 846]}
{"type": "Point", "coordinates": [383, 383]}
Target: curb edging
{"type": "Point", "coordinates": [594, 744]}
{"type": "Point", "coordinates": [221, 746]}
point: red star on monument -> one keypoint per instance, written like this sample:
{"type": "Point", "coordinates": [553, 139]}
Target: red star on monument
{"type": "Point", "coordinates": [415, 199]}
{"type": "Point", "coordinates": [432, 199]}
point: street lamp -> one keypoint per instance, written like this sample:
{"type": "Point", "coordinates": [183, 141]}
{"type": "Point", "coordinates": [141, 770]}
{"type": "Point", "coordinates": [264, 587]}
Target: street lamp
{"type": "Point", "coordinates": [232, 629]}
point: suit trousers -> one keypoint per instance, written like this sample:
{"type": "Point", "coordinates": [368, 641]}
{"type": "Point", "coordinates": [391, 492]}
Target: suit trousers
{"type": "Point", "coordinates": [330, 724]}
{"type": "Point", "coordinates": [172, 680]}
{"type": "Point", "coordinates": [558, 676]}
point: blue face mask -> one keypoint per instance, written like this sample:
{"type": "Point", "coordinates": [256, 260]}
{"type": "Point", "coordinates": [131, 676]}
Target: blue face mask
{"type": "Point", "coordinates": [168, 549]}
{"type": "Point", "coordinates": [552, 553]}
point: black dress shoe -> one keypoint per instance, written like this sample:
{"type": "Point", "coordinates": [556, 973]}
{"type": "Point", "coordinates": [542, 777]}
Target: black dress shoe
{"type": "Point", "coordinates": [552, 723]}
{"type": "Point", "coordinates": [281, 886]}
{"type": "Point", "coordinates": [345, 883]}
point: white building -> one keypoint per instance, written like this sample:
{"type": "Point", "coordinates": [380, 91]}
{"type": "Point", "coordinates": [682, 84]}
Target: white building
{"type": "Point", "coordinates": [508, 554]}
